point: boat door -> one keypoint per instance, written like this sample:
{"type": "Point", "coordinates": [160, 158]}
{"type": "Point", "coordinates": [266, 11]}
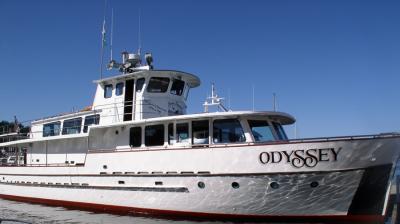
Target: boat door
{"type": "Point", "coordinates": [128, 102]}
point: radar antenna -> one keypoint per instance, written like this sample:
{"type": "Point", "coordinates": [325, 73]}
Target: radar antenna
{"type": "Point", "coordinates": [214, 100]}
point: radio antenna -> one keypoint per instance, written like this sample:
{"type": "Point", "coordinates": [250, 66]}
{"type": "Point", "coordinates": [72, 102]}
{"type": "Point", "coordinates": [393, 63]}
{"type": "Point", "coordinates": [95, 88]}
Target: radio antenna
{"type": "Point", "coordinates": [139, 35]}
{"type": "Point", "coordinates": [103, 39]}
{"type": "Point", "coordinates": [274, 100]}
{"type": "Point", "coordinates": [112, 31]}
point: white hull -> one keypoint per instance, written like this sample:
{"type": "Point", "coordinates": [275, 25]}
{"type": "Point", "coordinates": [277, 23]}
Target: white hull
{"type": "Point", "coordinates": [147, 180]}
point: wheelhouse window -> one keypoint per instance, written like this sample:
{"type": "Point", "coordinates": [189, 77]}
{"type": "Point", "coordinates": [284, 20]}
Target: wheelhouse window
{"type": "Point", "coordinates": [200, 132]}
{"type": "Point", "coordinates": [182, 132]}
{"type": "Point", "coordinates": [158, 85]}
{"type": "Point", "coordinates": [51, 129]}
{"type": "Point", "coordinates": [177, 87]}
{"type": "Point", "coordinates": [119, 89]}
{"type": "Point", "coordinates": [261, 130]}
{"type": "Point", "coordinates": [139, 84]}
{"type": "Point", "coordinates": [135, 137]}
{"type": "Point", "coordinates": [108, 91]}
{"type": "Point", "coordinates": [154, 135]}
{"type": "Point", "coordinates": [279, 131]}
{"type": "Point", "coordinates": [72, 126]}
{"type": "Point", "coordinates": [228, 131]}
{"type": "Point", "coordinates": [91, 120]}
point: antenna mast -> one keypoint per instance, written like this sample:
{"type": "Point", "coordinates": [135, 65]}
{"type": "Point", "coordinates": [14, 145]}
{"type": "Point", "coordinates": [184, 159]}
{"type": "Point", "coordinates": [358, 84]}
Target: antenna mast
{"type": "Point", "coordinates": [214, 100]}
{"type": "Point", "coordinates": [103, 39]}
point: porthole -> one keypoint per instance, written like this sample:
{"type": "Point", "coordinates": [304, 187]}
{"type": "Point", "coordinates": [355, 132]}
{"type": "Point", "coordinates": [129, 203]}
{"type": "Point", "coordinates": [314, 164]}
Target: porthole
{"type": "Point", "coordinates": [104, 166]}
{"type": "Point", "coordinates": [201, 185]}
{"type": "Point", "coordinates": [121, 182]}
{"type": "Point", "coordinates": [235, 185]}
{"type": "Point", "coordinates": [274, 185]}
{"type": "Point", "coordinates": [314, 184]}
{"type": "Point", "coordinates": [116, 132]}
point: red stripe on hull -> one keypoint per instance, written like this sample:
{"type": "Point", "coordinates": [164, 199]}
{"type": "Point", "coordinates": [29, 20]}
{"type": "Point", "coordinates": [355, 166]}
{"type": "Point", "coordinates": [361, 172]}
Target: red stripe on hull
{"type": "Point", "coordinates": [198, 215]}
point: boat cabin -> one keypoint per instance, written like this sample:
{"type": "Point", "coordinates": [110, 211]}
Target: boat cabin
{"type": "Point", "coordinates": [196, 130]}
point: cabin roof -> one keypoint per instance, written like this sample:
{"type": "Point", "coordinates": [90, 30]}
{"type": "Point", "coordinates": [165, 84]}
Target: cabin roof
{"type": "Point", "coordinates": [191, 80]}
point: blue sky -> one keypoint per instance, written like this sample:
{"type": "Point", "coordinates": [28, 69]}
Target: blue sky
{"type": "Point", "coordinates": [334, 65]}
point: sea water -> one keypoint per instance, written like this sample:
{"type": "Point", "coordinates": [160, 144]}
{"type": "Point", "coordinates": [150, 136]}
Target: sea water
{"type": "Point", "coordinates": [35, 213]}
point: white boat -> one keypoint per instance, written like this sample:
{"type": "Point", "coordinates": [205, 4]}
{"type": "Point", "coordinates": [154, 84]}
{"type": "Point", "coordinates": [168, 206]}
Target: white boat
{"type": "Point", "coordinates": [135, 150]}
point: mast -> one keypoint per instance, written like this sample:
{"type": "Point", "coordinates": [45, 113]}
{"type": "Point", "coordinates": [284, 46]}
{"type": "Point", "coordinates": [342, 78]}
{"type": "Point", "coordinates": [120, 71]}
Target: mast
{"type": "Point", "coordinates": [103, 40]}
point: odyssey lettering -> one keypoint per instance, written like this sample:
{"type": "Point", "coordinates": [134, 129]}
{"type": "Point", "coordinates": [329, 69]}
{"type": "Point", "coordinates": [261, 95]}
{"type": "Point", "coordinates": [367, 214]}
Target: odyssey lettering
{"type": "Point", "coordinates": [300, 158]}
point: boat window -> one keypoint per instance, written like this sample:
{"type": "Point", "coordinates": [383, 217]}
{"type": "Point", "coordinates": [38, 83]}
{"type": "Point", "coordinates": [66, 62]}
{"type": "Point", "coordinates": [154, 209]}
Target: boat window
{"type": "Point", "coordinates": [119, 89]}
{"type": "Point", "coordinates": [182, 132]}
{"type": "Point", "coordinates": [108, 91]}
{"type": "Point", "coordinates": [171, 138]}
{"type": "Point", "coordinates": [72, 126]}
{"type": "Point", "coordinates": [140, 84]}
{"type": "Point", "coordinates": [154, 135]}
{"type": "Point", "coordinates": [135, 137]}
{"type": "Point", "coordinates": [261, 130]}
{"type": "Point", "coordinates": [200, 132]}
{"type": "Point", "coordinates": [91, 120]}
{"type": "Point", "coordinates": [51, 129]}
{"type": "Point", "coordinates": [279, 131]}
{"type": "Point", "coordinates": [158, 85]}
{"type": "Point", "coordinates": [177, 87]}
{"type": "Point", "coordinates": [228, 131]}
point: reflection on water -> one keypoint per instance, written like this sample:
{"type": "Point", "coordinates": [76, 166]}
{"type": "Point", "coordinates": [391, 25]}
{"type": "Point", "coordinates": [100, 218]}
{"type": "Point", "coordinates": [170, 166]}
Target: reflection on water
{"type": "Point", "coordinates": [35, 213]}
{"type": "Point", "coordinates": [45, 214]}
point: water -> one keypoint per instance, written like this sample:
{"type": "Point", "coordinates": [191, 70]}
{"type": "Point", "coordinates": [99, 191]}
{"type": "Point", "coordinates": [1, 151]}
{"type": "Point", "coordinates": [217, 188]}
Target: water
{"type": "Point", "coordinates": [35, 213]}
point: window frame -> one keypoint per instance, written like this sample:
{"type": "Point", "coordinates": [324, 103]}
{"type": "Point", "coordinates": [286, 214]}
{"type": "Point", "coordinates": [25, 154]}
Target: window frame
{"type": "Point", "coordinates": [54, 134]}
{"type": "Point", "coordinates": [106, 96]}
{"type": "Point", "coordinates": [268, 121]}
{"type": "Point", "coordinates": [177, 137]}
{"type": "Point", "coordinates": [160, 142]}
{"type": "Point", "coordinates": [243, 135]}
{"type": "Point", "coordinates": [163, 89]}
{"type": "Point", "coordinates": [182, 90]}
{"type": "Point", "coordinates": [280, 132]}
{"type": "Point", "coordinates": [139, 137]}
{"type": "Point", "coordinates": [72, 120]}
{"type": "Point", "coordinates": [119, 89]}
{"type": "Point", "coordinates": [96, 119]}
{"type": "Point", "coordinates": [207, 131]}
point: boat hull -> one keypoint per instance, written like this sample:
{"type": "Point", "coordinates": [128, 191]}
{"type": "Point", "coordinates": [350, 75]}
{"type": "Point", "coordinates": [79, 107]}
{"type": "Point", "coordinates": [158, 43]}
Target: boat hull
{"type": "Point", "coordinates": [340, 180]}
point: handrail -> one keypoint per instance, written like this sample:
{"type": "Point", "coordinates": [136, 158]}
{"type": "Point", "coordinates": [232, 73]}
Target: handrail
{"type": "Point", "coordinates": [337, 138]}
